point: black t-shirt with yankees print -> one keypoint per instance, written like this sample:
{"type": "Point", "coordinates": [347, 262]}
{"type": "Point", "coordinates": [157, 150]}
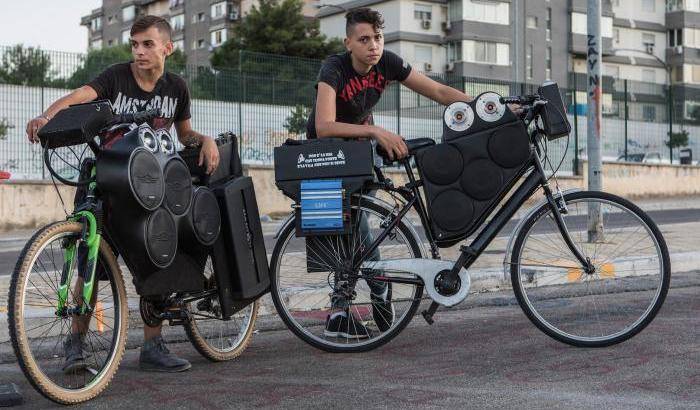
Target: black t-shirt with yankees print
{"type": "Point", "coordinates": [118, 85]}
{"type": "Point", "coordinates": [357, 94]}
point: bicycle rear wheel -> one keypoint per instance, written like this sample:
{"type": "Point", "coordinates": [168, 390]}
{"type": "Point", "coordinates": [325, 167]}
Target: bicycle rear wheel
{"type": "Point", "coordinates": [214, 338]}
{"type": "Point", "coordinates": [336, 308]}
{"type": "Point", "coordinates": [40, 334]}
{"type": "Point", "coordinates": [604, 307]}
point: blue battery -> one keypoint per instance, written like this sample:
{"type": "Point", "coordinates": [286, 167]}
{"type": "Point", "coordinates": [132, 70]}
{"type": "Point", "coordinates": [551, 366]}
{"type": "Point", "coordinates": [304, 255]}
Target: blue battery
{"type": "Point", "coordinates": [322, 205]}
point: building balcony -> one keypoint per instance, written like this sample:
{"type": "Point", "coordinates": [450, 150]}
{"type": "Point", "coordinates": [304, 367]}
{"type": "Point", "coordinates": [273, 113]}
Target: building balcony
{"type": "Point", "coordinates": [578, 45]}
{"type": "Point", "coordinates": [682, 55]}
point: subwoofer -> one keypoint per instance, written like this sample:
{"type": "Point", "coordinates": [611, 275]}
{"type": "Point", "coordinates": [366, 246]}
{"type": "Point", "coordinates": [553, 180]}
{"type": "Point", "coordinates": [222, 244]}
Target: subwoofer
{"type": "Point", "coordinates": [178, 186]}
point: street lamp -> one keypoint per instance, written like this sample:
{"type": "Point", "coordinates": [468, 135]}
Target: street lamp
{"type": "Point", "coordinates": [670, 97]}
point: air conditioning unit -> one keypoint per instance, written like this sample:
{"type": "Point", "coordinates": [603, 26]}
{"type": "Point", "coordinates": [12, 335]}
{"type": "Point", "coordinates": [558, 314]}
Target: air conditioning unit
{"type": "Point", "coordinates": [425, 24]}
{"type": "Point", "coordinates": [649, 47]}
{"type": "Point", "coordinates": [233, 15]}
{"type": "Point", "coordinates": [427, 67]}
{"type": "Point", "coordinates": [678, 50]}
{"type": "Point", "coordinates": [446, 25]}
{"type": "Point", "coordinates": [449, 66]}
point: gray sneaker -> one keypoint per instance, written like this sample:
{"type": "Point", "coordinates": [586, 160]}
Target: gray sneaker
{"type": "Point", "coordinates": [73, 352]}
{"type": "Point", "coordinates": [155, 357]}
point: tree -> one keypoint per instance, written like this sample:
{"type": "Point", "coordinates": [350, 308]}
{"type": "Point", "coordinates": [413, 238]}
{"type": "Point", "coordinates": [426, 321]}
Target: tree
{"type": "Point", "coordinates": [677, 139]}
{"type": "Point", "coordinates": [4, 126]}
{"type": "Point", "coordinates": [25, 66]}
{"type": "Point", "coordinates": [276, 27]}
{"type": "Point", "coordinates": [296, 122]}
{"type": "Point", "coordinates": [97, 60]}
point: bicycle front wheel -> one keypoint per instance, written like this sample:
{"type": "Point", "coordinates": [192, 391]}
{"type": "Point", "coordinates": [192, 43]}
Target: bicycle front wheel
{"type": "Point", "coordinates": [47, 341]}
{"type": "Point", "coordinates": [631, 276]}
{"type": "Point", "coordinates": [333, 306]}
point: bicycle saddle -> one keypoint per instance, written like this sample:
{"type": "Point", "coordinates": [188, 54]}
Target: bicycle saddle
{"type": "Point", "coordinates": [414, 145]}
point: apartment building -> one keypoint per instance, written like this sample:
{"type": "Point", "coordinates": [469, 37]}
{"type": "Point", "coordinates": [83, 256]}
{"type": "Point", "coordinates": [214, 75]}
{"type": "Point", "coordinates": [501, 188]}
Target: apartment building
{"type": "Point", "coordinates": [199, 26]}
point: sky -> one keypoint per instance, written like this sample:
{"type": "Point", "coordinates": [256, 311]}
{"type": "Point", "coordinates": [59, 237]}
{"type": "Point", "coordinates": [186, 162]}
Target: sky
{"type": "Point", "coordinates": [49, 24]}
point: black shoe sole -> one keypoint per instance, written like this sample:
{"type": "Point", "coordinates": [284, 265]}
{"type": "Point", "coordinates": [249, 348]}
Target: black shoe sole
{"type": "Point", "coordinates": [152, 368]}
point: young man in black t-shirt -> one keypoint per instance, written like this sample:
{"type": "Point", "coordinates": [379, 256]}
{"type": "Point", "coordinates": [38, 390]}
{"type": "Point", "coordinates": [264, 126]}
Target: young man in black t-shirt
{"type": "Point", "coordinates": [349, 86]}
{"type": "Point", "coordinates": [139, 85]}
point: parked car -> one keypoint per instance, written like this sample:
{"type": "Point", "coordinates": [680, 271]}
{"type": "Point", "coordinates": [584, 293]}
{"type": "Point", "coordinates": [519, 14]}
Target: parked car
{"type": "Point", "coordinates": [644, 157]}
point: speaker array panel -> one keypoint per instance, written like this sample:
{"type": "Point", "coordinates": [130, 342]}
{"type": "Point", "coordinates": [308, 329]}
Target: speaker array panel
{"type": "Point", "coordinates": [466, 175]}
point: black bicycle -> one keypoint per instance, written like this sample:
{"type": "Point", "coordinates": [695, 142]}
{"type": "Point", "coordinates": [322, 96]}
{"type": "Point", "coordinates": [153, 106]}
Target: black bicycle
{"type": "Point", "coordinates": [588, 268]}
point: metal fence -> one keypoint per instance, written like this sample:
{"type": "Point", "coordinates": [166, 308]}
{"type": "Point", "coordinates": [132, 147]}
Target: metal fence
{"type": "Point", "coordinates": [256, 94]}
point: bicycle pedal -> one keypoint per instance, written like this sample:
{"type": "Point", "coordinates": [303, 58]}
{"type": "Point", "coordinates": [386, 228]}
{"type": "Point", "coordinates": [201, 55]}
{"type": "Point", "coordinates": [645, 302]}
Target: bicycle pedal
{"type": "Point", "coordinates": [428, 314]}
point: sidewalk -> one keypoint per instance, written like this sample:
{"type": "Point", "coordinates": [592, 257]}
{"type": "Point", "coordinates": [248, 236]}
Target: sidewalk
{"type": "Point", "coordinates": [487, 274]}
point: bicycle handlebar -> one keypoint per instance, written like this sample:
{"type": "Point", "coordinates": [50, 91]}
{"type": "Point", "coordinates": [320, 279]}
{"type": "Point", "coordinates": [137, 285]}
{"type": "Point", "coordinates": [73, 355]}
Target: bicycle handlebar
{"type": "Point", "coordinates": [520, 99]}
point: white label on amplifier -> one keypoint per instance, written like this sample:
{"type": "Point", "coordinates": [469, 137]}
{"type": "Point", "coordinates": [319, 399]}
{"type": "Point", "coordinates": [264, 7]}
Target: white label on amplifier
{"type": "Point", "coordinates": [321, 159]}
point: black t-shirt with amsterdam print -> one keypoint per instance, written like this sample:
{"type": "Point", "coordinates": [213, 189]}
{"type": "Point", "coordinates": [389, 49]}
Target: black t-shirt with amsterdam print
{"type": "Point", "coordinates": [357, 94]}
{"type": "Point", "coordinates": [118, 85]}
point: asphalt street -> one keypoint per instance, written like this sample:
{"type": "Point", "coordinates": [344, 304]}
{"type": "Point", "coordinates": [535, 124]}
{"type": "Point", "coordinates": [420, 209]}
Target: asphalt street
{"type": "Point", "coordinates": [485, 356]}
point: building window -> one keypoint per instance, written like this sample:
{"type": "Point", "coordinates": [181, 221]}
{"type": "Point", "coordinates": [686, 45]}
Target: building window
{"type": "Point", "coordinates": [612, 71]}
{"type": "Point", "coordinates": [648, 41]}
{"type": "Point", "coordinates": [679, 37]}
{"type": "Point", "coordinates": [126, 35]}
{"type": "Point", "coordinates": [579, 25]}
{"type": "Point", "coordinates": [198, 44]}
{"type": "Point", "coordinates": [548, 59]}
{"type": "Point", "coordinates": [218, 10]}
{"type": "Point", "coordinates": [175, 3]}
{"type": "Point", "coordinates": [487, 12]}
{"type": "Point", "coordinates": [454, 8]}
{"type": "Point", "coordinates": [531, 22]}
{"type": "Point", "coordinates": [649, 6]}
{"type": "Point", "coordinates": [96, 44]}
{"type": "Point", "coordinates": [110, 43]}
{"type": "Point", "coordinates": [422, 12]}
{"type": "Point", "coordinates": [454, 51]}
{"type": "Point", "coordinates": [218, 37]}
{"type": "Point", "coordinates": [177, 22]}
{"type": "Point", "coordinates": [179, 45]}
{"type": "Point", "coordinates": [691, 37]}
{"type": "Point", "coordinates": [648, 112]}
{"type": "Point", "coordinates": [616, 35]}
{"type": "Point", "coordinates": [548, 31]}
{"type": "Point", "coordinates": [199, 17]}
{"type": "Point", "coordinates": [648, 76]}
{"type": "Point", "coordinates": [423, 56]}
{"type": "Point", "coordinates": [128, 13]}
{"type": "Point", "coordinates": [110, 19]}
{"type": "Point", "coordinates": [96, 24]}
{"type": "Point", "coordinates": [672, 38]}
{"type": "Point", "coordinates": [528, 62]}
{"type": "Point", "coordinates": [486, 52]}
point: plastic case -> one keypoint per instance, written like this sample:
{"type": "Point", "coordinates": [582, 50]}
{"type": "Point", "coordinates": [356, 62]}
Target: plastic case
{"type": "Point", "coordinates": [76, 124]}
{"type": "Point", "coordinates": [229, 161]}
{"type": "Point", "coordinates": [556, 124]}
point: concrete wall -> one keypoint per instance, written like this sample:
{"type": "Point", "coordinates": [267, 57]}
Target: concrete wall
{"type": "Point", "coordinates": [28, 204]}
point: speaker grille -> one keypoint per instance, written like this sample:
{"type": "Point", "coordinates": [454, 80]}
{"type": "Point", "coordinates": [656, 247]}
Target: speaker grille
{"type": "Point", "coordinates": [452, 210]}
{"type": "Point", "coordinates": [508, 147]}
{"type": "Point", "coordinates": [178, 186]}
{"type": "Point", "coordinates": [161, 237]}
{"type": "Point", "coordinates": [442, 164]}
{"type": "Point", "coordinates": [146, 179]}
{"type": "Point", "coordinates": [206, 218]}
{"type": "Point", "coordinates": [482, 179]}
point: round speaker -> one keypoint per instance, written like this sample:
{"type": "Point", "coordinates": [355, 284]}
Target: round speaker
{"type": "Point", "coordinates": [161, 238]}
{"type": "Point", "coordinates": [442, 164]}
{"type": "Point", "coordinates": [482, 179]}
{"type": "Point", "coordinates": [146, 179]}
{"type": "Point", "coordinates": [509, 147]}
{"type": "Point", "coordinates": [178, 186]}
{"type": "Point", "coordinates": [452, 210]}
{"type": "Point", "coordinates": [205, 216]}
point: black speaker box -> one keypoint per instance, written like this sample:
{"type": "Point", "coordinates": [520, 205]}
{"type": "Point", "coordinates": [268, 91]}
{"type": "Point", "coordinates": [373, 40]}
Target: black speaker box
{"type": "Point", "coordinates": [76, 124]}
{"type": "Point", "coordinates": [229, 161]}
{"type": "Point", "coordinates": [203, 221]}
{"type": "Point", "coordinates": [239, 253]}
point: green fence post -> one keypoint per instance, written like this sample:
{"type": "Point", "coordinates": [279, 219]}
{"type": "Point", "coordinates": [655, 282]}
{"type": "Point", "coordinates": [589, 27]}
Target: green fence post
{"type": "Point", "coordinates": [626, 119]}
{"type": "Point", "coordinates": [398, 108]}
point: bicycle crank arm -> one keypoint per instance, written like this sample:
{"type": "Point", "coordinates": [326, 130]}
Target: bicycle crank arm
{"type": "Point", "coordinates": [427, 270]}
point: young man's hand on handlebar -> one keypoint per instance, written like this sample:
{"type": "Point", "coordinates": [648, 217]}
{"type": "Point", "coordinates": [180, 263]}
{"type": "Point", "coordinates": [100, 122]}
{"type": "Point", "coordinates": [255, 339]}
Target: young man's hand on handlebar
{"type": "Point", "coordinates": [394, 144]}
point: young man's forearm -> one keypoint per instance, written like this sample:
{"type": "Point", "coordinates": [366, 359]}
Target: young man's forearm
{"type": "Point", "coordinates": [192, 139]}
{"type": "Point", "coordinates": [343, 130]}
{"type": "Point", "coordinates": [81, 95]}
{"type": "Point", "coordinates": [447, 95]}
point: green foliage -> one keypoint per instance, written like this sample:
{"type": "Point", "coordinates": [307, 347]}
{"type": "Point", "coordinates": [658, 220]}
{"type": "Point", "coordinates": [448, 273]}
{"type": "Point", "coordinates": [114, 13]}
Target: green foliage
{"type": "Point", "coordinates": [276, 27]}
{"type": "Point", "coordinates": [4, 126]}
{"type": "Point", "coordinates": [677, 139]}
{"type": "Point", "coordinates": [25, 66]}
{"type": "Point", "coordinates": [97, 60]}
{"type": "Point", "coordinates": [296, 121]}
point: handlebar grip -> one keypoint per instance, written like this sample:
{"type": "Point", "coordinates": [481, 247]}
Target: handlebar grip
{"type": "Point", "coordinates": [137, 117]}
{"type": "Point", "coordinates": [520, 99]}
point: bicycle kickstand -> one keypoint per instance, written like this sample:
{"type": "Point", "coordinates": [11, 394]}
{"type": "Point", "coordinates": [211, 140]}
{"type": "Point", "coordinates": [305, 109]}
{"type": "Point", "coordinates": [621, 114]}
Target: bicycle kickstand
{"type": "Point", "coordinates": [428, 314]}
